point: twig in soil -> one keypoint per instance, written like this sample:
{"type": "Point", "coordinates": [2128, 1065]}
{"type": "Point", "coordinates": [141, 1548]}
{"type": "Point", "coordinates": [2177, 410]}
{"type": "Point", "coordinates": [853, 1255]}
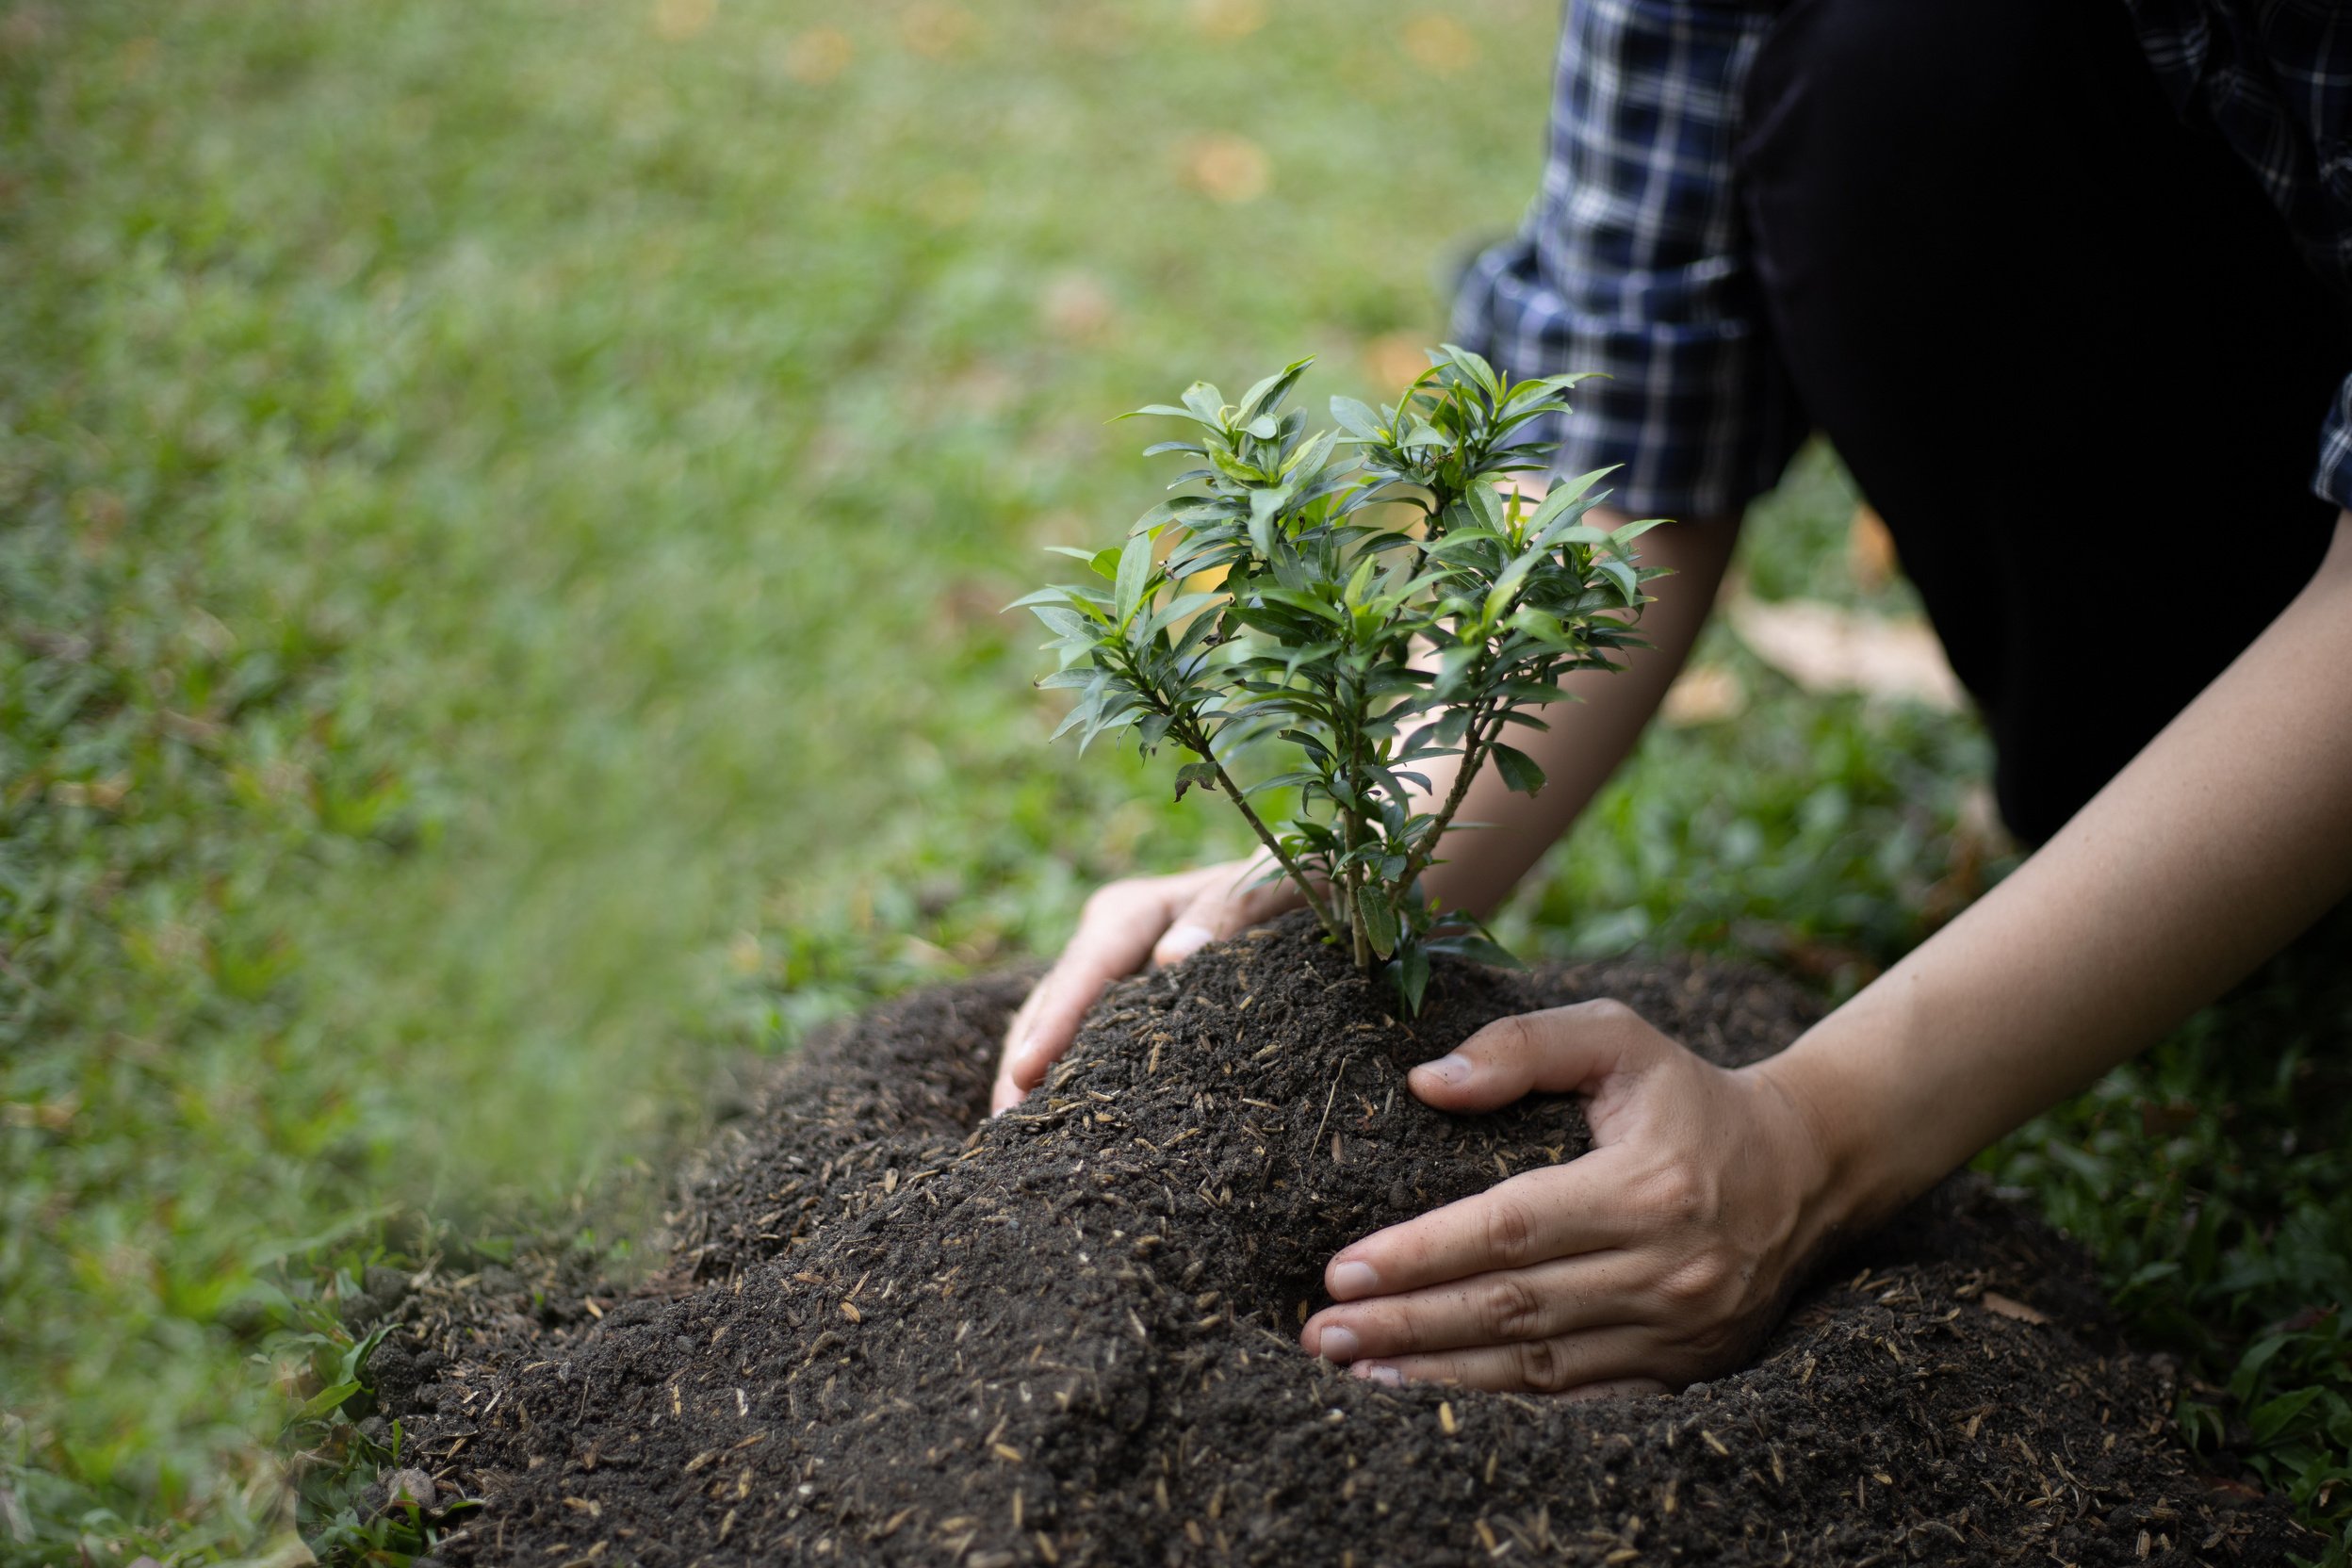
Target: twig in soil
{"type": "Point", "coordinates": [1328, 1099]}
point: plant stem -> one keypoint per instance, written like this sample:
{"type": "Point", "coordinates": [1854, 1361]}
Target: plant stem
{"type": "Point", "coordinates": [1474, 750]}
{"type": "Point", "coordinates": [1192, 737]}
{"type": "Point", "coordinates": [1265, 837]}
{"type": "Point", "coordinates": [1352, 838]}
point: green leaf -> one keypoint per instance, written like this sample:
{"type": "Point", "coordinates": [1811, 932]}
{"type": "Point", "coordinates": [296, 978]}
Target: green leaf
{"type": "Point", "coordinates": [1411, 975]}
{"type": "Point", "coordinates": [1166, 512]}
{"type": "Point", "coordinates": [1179, 608]}
{"type": "Point", "coordinates": [1083, 713]}
{"type": "Point", "coordinates": [1380, 919]}
{"type": "Point", "coordinates": [1625, 533]}
{"type": "Point", "coordinates": [1308, 461]}
{"type": "Point", "coordinates": [1567, 492]}
{"type": "Point", "coordinates": [1265, 505]}
{"type": "Point", "coordinates": [2273, 1418]}
{"type": "Point", "coordinates": [1541, 626]}
{"type": "Point", "coordinates": [1307, 602]}
{"type": "Point", "coordinates": [352, 1368]}
{"type": "Point", "coordinates": [1498, 596]}
{"type": "Point", "coordinates": [1481, 373]}
{"type": "Point", "coordinates": [1207, 404]}
{"type": "Point", "coordinates": [1063, 621]}
{"type": "Point", "coordinates": [1290, 781]}
{"type": "Point", "coordinates": [1477, 946]}
{"type": "Point", "coordinates": [1164, 409]}
{"type": "Point", "coordinates": [326, 1400]}
{"type": "Point", "coordinates": [1486, 502]}
{"type": "Point", "coordinates": [1460, 539]}
{"type": "Point", "coordinates": [1520, 772]}
{"type": "Point", "coordinates": [1358, 419]}
{"type": "Point", "coordinates": [1621, 577]}
{"type": "Point", "coordinates": [1549, 384]}
{"type": "Point", "coordinates": [1269, 393]}
{"type": "Point", "coordinates": [1135, 572]}
{"type": "Point", "coordinates": [1203, 774]}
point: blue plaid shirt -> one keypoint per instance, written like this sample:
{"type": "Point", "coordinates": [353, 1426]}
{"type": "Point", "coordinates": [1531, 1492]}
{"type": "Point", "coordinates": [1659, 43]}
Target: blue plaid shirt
{"type": "Point", "coordinates": [1632, 259]}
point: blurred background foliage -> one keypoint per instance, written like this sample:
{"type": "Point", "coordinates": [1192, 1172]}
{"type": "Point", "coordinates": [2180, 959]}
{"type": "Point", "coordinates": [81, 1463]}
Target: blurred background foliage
{"type": "Point", "coordinates": [504, 510]}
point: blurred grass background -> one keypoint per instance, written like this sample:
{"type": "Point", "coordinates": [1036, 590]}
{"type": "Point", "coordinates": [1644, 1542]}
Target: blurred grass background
{"type": "Point", "coordinates": [503, 510]}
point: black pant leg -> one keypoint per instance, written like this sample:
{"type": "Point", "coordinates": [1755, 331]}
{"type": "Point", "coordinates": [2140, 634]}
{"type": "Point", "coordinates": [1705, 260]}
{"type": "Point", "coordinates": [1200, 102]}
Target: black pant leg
{"type": "Point", "coordinates": [2063, 342]}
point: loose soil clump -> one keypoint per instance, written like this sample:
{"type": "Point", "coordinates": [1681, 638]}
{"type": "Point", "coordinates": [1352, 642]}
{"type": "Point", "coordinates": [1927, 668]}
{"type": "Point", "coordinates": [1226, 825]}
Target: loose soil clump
{"type": "Point", "coordinates": [890, 1331]}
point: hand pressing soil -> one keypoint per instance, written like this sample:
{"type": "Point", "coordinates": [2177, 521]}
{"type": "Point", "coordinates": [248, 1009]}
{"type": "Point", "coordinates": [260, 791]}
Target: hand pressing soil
{"type": "Point", "coordinates": [892, 1332]}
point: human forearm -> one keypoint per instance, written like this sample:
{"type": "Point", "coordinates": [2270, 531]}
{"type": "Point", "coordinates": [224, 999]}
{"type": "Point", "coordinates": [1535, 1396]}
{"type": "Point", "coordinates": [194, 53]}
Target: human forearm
{"type": "Point", "coordinates": [1589, 735]}
{"type": "Point", "coordinates": [1665, 1252]}
{"type": "Point", "coordinates": [2228, 835]}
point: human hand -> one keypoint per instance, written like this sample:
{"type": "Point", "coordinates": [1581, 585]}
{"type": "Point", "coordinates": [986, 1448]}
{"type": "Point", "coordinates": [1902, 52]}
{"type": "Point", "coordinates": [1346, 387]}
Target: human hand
{"type": "Point", "coordinates": [1658, 1258]}
{"type": "Point", "coordinates": [1163, 919]}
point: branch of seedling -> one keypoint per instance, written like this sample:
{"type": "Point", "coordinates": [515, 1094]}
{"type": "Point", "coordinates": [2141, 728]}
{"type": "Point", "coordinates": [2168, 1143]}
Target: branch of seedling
{"type": "Point", "coordinates": [1275, 598]}
{"type": "Point", "coordinates": [1200, 746]}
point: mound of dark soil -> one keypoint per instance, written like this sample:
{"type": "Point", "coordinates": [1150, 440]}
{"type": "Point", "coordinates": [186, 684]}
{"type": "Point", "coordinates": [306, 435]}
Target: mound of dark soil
{"type": "Point", "coordinates": [1068, 1336]}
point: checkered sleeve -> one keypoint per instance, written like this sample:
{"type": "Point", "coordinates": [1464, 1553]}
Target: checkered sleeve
{"type": "Point", "coordinates": [2333, 481]}
{"type": "Point", "coordinates": [2274, 80]}
{"type": "Point", "coordinates": [1632, 261]}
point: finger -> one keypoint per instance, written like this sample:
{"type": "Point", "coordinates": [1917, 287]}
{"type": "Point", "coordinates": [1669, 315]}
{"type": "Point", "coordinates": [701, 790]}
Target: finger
{"type": "Point", "coordinates": [1004, 1092]}
{"type": "Point", "coordinates": [1060, 1004]}
{"type": "Point", "coordinates": [1558, 1212]}
{"type": "Point", "coordinates": [1619, 1388]}
{"type": "Point", "coordinates": [1224, 904]}
{"type": "Point", "coordinates": [1018, 1028]}
{"type": "Point", "coordinates": [1562, 1296]}
{"type": "Point", "coordinates": [1579, 1361]}
{"type": "Point", "coordinates": [1561, 1050]}
{"type": "Point", "coordinates": [1112, 942]}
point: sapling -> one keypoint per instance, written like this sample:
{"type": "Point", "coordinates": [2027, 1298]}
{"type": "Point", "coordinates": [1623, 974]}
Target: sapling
{"type": "Point", "coordinates": [1376, 597]}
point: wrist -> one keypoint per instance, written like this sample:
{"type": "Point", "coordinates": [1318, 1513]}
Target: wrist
{"type": "Point", "coordinates": [1861, 1166]}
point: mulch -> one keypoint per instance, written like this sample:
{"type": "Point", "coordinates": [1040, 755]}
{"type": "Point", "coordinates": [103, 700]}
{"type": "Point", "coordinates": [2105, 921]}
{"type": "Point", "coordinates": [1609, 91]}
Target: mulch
{"type": "Point", "coordinates": [889, 1330]}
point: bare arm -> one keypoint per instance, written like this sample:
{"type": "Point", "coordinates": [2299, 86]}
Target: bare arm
{"type": "Point", "coordinates": [1660, 1256]}
{"type": "Point", "coordinates": [2227, 836]}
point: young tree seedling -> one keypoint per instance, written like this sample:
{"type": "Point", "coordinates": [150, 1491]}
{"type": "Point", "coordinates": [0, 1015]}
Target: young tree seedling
{"type": "Point", "coordinates": [1368, 596]}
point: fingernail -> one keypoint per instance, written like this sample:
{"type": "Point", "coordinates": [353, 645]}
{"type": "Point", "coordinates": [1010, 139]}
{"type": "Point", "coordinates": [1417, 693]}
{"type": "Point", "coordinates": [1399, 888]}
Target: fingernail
{"type": "Point", "coordinates": [1352, 1279]}
{"type": "Point", "coordinates": [1452, 1068]}
{"type": "Point", "coordinates": [1184, 940]}
{"type": "Point", "coordinates": [1337, 1344]}
{"type": "Point", "coordinates": [1373, 1372]}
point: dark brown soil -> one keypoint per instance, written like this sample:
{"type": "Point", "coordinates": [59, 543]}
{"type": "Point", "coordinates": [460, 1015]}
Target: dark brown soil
{"type": "Point", "coordinates": [888, 1333]}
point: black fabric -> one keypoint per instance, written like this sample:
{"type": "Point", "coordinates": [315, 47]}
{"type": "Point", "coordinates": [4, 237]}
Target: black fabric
{"type": "Point", "coordinates": [2066, 346]}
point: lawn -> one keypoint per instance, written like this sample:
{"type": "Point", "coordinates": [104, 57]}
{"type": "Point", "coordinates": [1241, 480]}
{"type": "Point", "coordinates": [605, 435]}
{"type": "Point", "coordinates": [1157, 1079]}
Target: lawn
{"type": "Point", "coordinates": [504, 510]}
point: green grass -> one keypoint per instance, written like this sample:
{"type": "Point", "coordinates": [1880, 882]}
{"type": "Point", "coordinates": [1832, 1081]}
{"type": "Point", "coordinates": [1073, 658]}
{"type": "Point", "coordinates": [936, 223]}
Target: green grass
{"type": "Point", "coordinates": [503, 510]}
